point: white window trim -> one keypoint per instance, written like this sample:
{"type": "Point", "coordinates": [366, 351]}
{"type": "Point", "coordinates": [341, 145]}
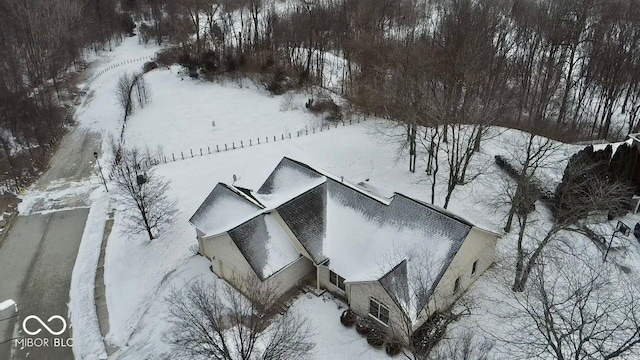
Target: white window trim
{"type": "Point", "coordinates": [380, 304]}
{"type": "Point", "coordinates": [378, 320]}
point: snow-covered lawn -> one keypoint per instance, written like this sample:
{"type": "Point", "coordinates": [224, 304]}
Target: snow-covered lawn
{"type": "Point", "coordinates": [139, 274]}
{"type": "Point", "coordinates": [333, 340]}
{"type": "Point", "coordinates": [99, 111]}
{"type": "Point", "coordinates": [136, 270]}
{"type": "Point", "coordinates": [182, 113]}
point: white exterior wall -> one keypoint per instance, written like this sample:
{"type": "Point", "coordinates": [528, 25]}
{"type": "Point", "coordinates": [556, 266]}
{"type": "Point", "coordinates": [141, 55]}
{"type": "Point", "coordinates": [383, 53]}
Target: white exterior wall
{"type": "Point", "coordinates": [226, 259]}
{"type": "Point", "coordinates": [359, 294]}
{"type": "Point", "coordinates": [228, 263]}
{"type": "Point", "coordinates": [479, 245]}
{"type": "Point", "coordinates": [323, 271]}
{"type": "Point", "coordinates": [291, 276]}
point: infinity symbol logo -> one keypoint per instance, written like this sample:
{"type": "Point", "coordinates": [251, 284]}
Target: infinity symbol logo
{"type": "Point", "coordinates": [42, 324]}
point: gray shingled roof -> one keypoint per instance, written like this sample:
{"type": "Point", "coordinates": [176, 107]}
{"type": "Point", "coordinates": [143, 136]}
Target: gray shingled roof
{"type": "Point", "coordinates": [264, 245]}
{"type": "Point", "coordinates": [223, 209]}
{"type": "Point", "coordinates": [336, 220]}
{"type": "Point", "coordinates": [306, 216]}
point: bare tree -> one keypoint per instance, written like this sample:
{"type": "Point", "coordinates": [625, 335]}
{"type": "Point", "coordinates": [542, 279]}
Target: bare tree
{"type": "Point", "coordinates": [142, 193]}
{"type": "Point", "coordinates": [575, 309]}
{"type": "Point", "coordinates": [465, 346]}
{"type": "Point", "coordinates": [128, 86]}
{"type": "Point", "coordinates": [123, 92]}
{"type": "Point", "coordinates": [424, 316]}
{"type": "Point", "coordinates": [211, 321]}
{"type": "Point", "coordinates": [536, 155]}
{"type": "Point", "coordinates": [585, 197]}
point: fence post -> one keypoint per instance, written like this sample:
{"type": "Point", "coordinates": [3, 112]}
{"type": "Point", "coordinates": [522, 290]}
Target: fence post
{"type": "Point", "coordinates": [249, 142]}
{"type": "Point", "coordinates": [173, 156]}
{"type": "Point", "coordinates": [266, 137]}
{"type": "Point", "coordinates": [217, 149]}
{"type": "Point", "coordinates": [274, 138]}
{"type": "Point", "coordinates": [209, 149]}
{"type": "Point", "coordinates": [241, 144]}
{"type": "Point", "coordinates": [225, 147]}
{"type": "Point", "coordinates": [165, 158]}
{"type": "Point", "coordinates": [233, 144]}
{"type": "Point", "coordinates": [314, 130]}
{"type": "Point", "coordinates": [191, 150]}
{"type": "Point", "coordinates": [182, 154]}
{"type": "Point", "coordinates": [306, 131]}
{"type": "Point", "coordinates": [258, 141]}
{"type": "Point", "coordinates": [282, 136]}
{"type": "Point", "coordinates": [200, 151]}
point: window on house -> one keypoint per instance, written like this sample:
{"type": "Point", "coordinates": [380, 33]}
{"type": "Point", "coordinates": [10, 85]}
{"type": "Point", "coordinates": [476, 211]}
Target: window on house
{"type": "Point", "coordinates": [336, 280]}
{"type": "Point", "coordinates": [378, 311]}
{"type": "Point", "coordinates": [474, 267]}
{"type": "Point", "coordinates": [456, 285]}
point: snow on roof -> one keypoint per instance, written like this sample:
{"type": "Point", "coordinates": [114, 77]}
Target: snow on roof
{"type": "Point", "coordinates": [288, 180]}
{"type": "Point", "coordinates": [306, 216]}
{"type": "Point", "coordinates": [264, 244]}
{"type": "Point", "coordinates": [223, 209]}
{"type": "Point", "coordinates": [365, 239]}
{"type": "Point", "coordinates": [614, 146]}
{"type": "Point", "coordinates": [403, 243]}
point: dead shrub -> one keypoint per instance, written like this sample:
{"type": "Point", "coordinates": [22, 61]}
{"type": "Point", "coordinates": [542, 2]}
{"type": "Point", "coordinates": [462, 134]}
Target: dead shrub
{"type": "Point", "coordinates": [325, 105]}
{"type": "Point", "coordinates": [376, 337]}
{"type": "Point", "coordinates": [393, 347]}
{"type": "Point", "coordinates": [148, 66]}
{"type": "Point", "coordinates": [363, 326]}
{"type": "Point", "coordinates": [348, 318]}
{"type": "Point", "coordinates": [168, 56]}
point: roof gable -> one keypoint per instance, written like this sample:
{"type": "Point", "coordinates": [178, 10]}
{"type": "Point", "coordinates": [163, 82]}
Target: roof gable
{"type": "Point", "coordinates": [366, 237]}
{"type": "Point", "coordinates": [264, 244]}
{"type": "Point", "coordinates": [222, 209]}
{"type": "Point", "coordinates": [306, 216]}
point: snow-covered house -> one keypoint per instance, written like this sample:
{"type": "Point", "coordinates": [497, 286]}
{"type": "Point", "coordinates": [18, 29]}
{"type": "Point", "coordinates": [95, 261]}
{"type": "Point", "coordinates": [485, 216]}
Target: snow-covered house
{"type": "Point", "coordinates": [392, 258]}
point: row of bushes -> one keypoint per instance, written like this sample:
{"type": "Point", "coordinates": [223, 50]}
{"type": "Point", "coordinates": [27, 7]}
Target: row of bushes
{"type": "Point", "coordinates": [276, 78]}
{"type": "Point", "coordinates": [375, 336]}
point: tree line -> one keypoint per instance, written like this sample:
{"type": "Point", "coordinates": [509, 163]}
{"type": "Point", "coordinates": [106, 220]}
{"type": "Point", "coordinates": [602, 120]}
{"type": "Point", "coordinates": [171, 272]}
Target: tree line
{"type": "Point", "coordinates": [44, 45]}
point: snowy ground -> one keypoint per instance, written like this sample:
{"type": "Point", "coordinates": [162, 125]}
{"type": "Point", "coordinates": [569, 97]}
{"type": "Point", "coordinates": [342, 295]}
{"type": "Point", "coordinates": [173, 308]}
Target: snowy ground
{"type": "Point", "coordinates": [182, 113]}
{"type": "Point", "coordinates": [97, 114]}
{"type": "Point", "coordinates": [356, 152]}
{"type": "Point", "coordinates": [139, 273]}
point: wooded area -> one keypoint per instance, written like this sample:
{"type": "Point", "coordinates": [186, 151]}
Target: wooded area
{"type": "Point", "coordinates": [445, 70]}
{"type": "Point", "coordinates": [44, 45]}
{"type": "Point", "coordinates": [568, 70]}
{"type": "Point", "coordinates": [563, 65]}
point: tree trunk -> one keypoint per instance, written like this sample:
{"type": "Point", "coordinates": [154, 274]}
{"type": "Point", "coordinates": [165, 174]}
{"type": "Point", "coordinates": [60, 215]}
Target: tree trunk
{"type": "Point", "coordinates": [412, 148]}
{"type": "Point", "coordinates": [523, 271]}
